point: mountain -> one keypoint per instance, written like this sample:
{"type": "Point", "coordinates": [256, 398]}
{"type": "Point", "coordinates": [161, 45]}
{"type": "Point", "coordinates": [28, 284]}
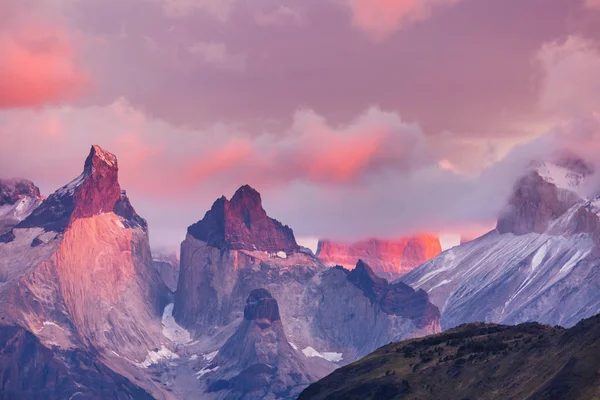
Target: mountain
{"type": "Point", "coordinates": [217, 275]}
{"type": "Point", "coordinates": [18, 198]}
{"type": "Point", "coordinates": [237, 249]}
{"type": "Point", "coordinates": [476, 361]}
{"type": "Point", "coordinates": [257, 361]}
{"type": "Point", "coordinates": [30, 370]}
{"type": "Point", "coordinates": [77, 272]}
{"type": "Point", "coordinates": [83, 295]}
{"type": "Point", "coordinates": [390, 259]}
{"type": "Point", "coordinates": [539, 264]}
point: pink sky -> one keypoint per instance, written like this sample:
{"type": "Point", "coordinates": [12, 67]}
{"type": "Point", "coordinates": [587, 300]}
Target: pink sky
{"type": "Point", "coordinates": [354, 118]}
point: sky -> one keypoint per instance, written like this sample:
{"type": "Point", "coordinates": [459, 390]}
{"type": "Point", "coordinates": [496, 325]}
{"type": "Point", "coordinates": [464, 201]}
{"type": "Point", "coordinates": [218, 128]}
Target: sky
{"type": "Point", "coordinates": [353, 118]}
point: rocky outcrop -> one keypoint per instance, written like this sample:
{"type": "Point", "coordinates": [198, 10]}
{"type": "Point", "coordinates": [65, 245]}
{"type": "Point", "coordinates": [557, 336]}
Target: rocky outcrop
{"type": "Point", "coordinates": [18, 199]}
{"type": "Point", "coordinates": [389, 259]}
{"type": "Point", "coordinates": [30, 370]}
{"type": "Point", "coordinates": [533, 206]}
{"type": "Point", "coordinates": [242, 224]}
{"type": "Point", "coordinates": [257, 361]}
{"type": "Point", "coordinates": [11, 190]}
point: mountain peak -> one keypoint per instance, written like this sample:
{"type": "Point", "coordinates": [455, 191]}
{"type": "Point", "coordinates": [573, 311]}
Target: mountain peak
{"type": "Point", "coordinates": [242, 224]}
{"type": "Point", "coordinates": [100, 158]}
{"type": "Point", "coordinates": [248, 195]}
{"type": "Point", "coordinates": [94, 192]}
{"type": "Point", "coordinates": [363, 277]}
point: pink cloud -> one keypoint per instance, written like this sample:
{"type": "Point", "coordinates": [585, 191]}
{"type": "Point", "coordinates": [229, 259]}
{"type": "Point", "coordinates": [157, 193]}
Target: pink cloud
{"type": "Point", "coordinates": [570, 77]}
{"type": "Point", "coordinates": [39, 60]}
{"type": "Point", "coordinates": [592, 3]}
{"type": "Point", "coordinates": [218, 161]}
{"type": "Point", "coordinates": [381, 18]}
{"type": "Point", "coordinates": [278, 16]}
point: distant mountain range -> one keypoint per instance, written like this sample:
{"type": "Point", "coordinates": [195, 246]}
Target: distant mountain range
{"type": "Point", "coordinates": [244, 312]}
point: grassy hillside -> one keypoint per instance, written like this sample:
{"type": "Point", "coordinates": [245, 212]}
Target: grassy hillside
{"type": "Point", "coordinates": [476, 361]}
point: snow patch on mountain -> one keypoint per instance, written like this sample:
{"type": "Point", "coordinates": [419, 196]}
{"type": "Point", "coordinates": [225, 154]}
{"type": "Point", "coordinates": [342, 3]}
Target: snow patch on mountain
{"type": "Point", "coordinates": [329, 356]}
{"type": "Point", "coordinates": [210, 356]}
{"type": "Point", "coordinates": [156, 356]}
{"type": "Point", "coordinates": [205, 371]}
{"type": "Point", "coordinates": [171, 329]}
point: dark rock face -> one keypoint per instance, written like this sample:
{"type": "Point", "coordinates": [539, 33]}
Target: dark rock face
{"type": "Point", "coordinates": [12, 190]}
{"type": "Point", "coordinates": [94, 192]}
{"type": "Point", "coordinates": [257, 360]}
{"type": "Point", "coordinates": [242, 224]}
{"type": "Point", "coordinates": [29, 370]}
{"type": "Point", "coordinates": [396, 299]}
{"type": "Point", "coordinates": [533, 206]}
{"type": "Point", "coordinates": [261, 306]}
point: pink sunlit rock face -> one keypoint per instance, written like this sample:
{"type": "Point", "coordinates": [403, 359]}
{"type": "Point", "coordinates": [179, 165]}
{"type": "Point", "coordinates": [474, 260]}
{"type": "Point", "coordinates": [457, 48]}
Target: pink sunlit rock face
{"type": "Point", "coordinates": [242, 224]}
{"type": "Point", "coordinates": [390, 259]}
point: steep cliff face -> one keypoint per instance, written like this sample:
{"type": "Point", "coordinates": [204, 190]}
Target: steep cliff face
{"type": "Point", "coordinates": [389, 259]}
{"type": "Point", "coordinates": [539, 265]}
{"type": "Point", "coordinates": [167, 265]}
{"type": "Point", "coordinates": [30, 370]}
{"type": "Point", "coordinates": [79, 269]}
{"type": "Point", "coordinates": [257, 361]}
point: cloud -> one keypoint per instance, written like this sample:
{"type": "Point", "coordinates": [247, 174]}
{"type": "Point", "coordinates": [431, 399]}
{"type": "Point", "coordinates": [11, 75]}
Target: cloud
{"type": "Point", "coordinates": [381, 18]}
{"type": "Point", "coordinates": [281, 15]}
{"type": "Point", "coordinates": [220, 9]}
{"type": "Point", "coordinates": [39, 61]}
{"type": "Point", "coordinates": [570, 77]}
{"type": "Point", "coordinates": [592, 3]}
{"type": "Point", "coordinates": [374, 175]}
{"type": "Point", "coordinates": [218, 55]}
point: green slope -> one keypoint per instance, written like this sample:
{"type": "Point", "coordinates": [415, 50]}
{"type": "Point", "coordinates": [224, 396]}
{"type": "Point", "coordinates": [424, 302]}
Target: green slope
{"type": "Point", "coordinates": [476, 361]}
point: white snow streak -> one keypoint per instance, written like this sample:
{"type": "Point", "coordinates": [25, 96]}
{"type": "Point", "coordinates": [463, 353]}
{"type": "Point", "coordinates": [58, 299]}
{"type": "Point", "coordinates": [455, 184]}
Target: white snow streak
{"type": "Point", "coordinates": [329, 356]}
